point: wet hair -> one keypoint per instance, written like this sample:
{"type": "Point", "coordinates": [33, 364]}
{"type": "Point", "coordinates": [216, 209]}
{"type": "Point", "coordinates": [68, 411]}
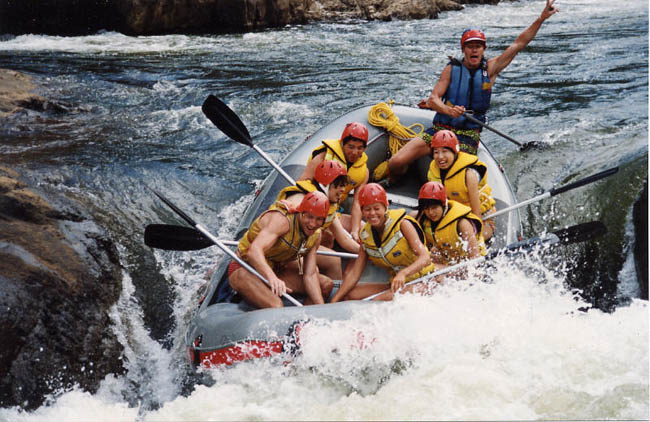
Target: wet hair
{"type": "Point", "coordinates": [426, 203]}
{"type": "Point", "coordinates": [342, 180]}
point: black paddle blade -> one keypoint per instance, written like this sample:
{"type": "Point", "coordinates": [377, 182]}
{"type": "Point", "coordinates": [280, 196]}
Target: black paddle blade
{"type": "Point", "coordinates": [175, 238]}
{"type": "Point", "coordinates": [529, 145]}
{"type": "Point", "coordinates": [581, 232]}
{"type": "Point", "coordinates": [226, 120]}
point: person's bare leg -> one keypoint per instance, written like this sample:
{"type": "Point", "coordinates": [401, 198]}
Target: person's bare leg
{"type": "Point", "coordinates": [329, 265]}
{"type": "Point", "coordinates": [254, 290]}
{"type": "Point", "coordinates": [414, 149]}
{"type": "Point", "coordinates": [363, 290]}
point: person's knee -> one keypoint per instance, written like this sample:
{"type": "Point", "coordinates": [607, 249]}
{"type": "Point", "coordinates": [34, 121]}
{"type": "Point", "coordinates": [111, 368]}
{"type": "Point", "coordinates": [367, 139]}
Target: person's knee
{"type": "Point", "coordinates": [326, 284]}
{"type": "Point", "coordinates": [276, 302]}
{"type": "Point", "coordinates": [415, 149]}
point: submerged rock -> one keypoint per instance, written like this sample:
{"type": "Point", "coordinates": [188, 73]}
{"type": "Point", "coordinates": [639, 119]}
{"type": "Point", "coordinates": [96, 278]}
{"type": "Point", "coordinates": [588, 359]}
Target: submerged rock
{"type": "Point", "coordinates": [17, 93]}
{"type": "Point", "coordinates": [59, 276]}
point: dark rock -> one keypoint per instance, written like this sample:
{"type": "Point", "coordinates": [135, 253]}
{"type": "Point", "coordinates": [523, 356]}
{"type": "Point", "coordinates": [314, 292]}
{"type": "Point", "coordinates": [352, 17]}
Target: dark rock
{"type": "Point", "coordinates": [640, 220]}
{"type": "Point", "coordinates": [139, 17]}
{"type": "Point", "coordinates": [59, 276]}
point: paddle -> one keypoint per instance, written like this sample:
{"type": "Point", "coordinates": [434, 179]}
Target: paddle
{"type": "Point", "coordinates": [522, 147]}
{"type": "Point", "coordinates": [230, 124]}
{"type": "Point", "coordinates": [181, 238]}
{"type": "Point", "coordinates": [556, 191]}
{"type": "Point", "coordinates": [574, 234]}
{"type": "Point", "coordinates": [217, 242]}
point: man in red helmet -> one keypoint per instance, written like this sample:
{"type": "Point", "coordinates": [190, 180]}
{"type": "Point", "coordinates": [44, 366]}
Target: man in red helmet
{"type": "Point", "coordinates": [465, 85]}
{"type": "Point", "coordinates": [349, 150]}
{"type": "Point", "coordinates": [275, 245]}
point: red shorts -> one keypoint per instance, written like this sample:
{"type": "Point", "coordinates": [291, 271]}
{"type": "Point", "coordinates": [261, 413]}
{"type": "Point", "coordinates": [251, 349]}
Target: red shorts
{"type": "Point", "coordinates": [233, 266]}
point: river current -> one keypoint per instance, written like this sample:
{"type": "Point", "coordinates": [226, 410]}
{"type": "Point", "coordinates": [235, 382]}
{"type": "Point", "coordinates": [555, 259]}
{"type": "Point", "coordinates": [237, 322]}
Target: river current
{"type": "Point", "coordinates": [560, 335]}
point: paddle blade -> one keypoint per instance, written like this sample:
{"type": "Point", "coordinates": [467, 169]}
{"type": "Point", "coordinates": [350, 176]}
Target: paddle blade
{"type": "Point", "coordinates": [581, 232]}
{"type": "Point", "coordinates": [226, 120]}
{"type": "Point", "coordinates": [529, 145]}
{"type": "Point", "coordinates": [175, 238]}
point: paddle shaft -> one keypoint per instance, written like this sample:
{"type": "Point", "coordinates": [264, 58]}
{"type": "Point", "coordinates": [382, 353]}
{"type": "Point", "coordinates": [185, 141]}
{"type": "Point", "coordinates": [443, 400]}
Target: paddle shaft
{"type": "Point", "coordinates": [577, 233]}
{"type": "Point", "coordinates": [325, 253]}
{"type": "Point", "coordinates": [557, 190]}
{"type": "Point", "coordinates": [552, 238]}
{"type": "Point", "coordinates": [221, 246]}
{"type": "Point", "coordinates": [478, 122]}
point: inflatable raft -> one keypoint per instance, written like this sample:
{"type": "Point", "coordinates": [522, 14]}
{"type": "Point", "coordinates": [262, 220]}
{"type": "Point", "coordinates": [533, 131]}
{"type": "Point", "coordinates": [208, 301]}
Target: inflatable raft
{"type": "Point", "coordinates": [222, 332]}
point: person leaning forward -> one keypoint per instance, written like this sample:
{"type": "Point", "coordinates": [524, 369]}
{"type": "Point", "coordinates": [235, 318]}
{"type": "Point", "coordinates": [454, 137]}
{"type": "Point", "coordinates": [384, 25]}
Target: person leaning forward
{"type": "Point", "coordinates": [391, 240]}
{"type": "Point", "coordinates": [465, 85]}
{"type": "Point", "coordinates": [281, 245]}
{"type": "Point", "coordinates": [349, 150]}
{"type": "Point", "coordinates": [331, 178]}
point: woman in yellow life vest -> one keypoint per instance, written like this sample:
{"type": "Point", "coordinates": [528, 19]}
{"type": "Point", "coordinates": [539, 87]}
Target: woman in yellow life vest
{"type": "Point", "coordinates": [463, 175]}
{"type": "Point", "coordinates": [349, 150]}
{"type": "Point", "coordinates": [452, 231]}
{"type": "Point", "coordinates": [392, 240]}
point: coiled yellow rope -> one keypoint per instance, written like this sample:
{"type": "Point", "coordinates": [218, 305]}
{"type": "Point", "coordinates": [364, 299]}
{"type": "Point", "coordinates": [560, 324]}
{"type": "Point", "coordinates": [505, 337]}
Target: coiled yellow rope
{"type": "Point", "coordinates": [381, 115]}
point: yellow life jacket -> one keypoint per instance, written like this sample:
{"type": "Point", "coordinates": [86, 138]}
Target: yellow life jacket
{"type": "Point", "coordinates": [455, 180]}
{"type": "Point", "coordinates": [394, 252]}
{"type": "Point", "coordinates": [357, 171]}
{"type": "Point", "coordinates": [288, 247]}
{"type": "Point", "coordinates": [304, 187]}
{"type": "Point", "coordinates": [446, 238]}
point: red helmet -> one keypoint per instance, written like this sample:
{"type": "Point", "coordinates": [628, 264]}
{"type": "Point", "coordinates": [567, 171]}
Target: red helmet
{"type": "Point", "coordinates": [355, 131]}
{"type": "Point", "coordinates": [472, 35]}
{"type": "Point", "coordinates": [445, 138]}
{"type": "Point", "coordinates": [315, 203]}
{"type": "Point", "coordinates": [371, 194]}
{"type": "Point", "coordinates": [328, 170]}
{"type": "Point", "coordinates": [433, 190]}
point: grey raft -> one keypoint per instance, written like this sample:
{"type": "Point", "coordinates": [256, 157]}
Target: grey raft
{"type": "Point", "coordinates": [226, 331]}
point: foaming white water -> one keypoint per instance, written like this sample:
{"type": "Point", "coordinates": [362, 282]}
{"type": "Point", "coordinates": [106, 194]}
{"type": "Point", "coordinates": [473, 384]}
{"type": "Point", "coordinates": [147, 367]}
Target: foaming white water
{"type": "Point", "coordinates": [628, 281]}
{"type": "Point", "coordinates": [514, 348]}
{"type": "Point", "coordinates": [107, 43]}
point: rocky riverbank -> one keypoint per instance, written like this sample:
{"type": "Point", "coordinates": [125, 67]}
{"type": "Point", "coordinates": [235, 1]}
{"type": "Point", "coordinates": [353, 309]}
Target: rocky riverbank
{"type": "Point", "coordinates": [59, 276]}
{"type": "Point", "coordinates": [141, 17]}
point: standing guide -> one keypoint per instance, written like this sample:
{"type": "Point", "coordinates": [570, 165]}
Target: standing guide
{"type": "Point", "coordinates": [465, 86]}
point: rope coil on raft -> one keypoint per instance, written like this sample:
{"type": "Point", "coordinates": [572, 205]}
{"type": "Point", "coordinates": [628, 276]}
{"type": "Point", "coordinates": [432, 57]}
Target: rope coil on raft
{"type": "Point", "coordinates": [382, 115]}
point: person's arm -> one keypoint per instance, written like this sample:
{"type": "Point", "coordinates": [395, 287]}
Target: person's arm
{"type": "Point", "coordinates": [467, 233]}
{"type": "Point", "coordinates": [471, 181]}
{"type": "Point", "coordinates": [410, 233]}
{"type": "Point", "coordinates": [355, 211]}
{"type": "Point", "coordinates": [435, 99]}
{"type": "Point", "coordinates": [273, 225]}
{"type": "Point", "coordinates": [310, 169]}
{"type": "Point", "coordinates": [497, 64]}
{"type": "Point", "coordinates": [351, 276]}
{"type": "Point", "coordinates": [310, 275]}
{"type": "Point", "coordinates": [344, 238]}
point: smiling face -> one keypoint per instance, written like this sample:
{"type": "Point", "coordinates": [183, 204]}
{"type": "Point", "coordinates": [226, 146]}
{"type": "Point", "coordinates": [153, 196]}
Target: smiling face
{"type": "Point", "coordinates": [334, 191]}
{"type": "Point", "coordinates": [434, 212]}
{"type": "Point", "coordinates": [309, 223]}
{"type": "Point", "coordinates": [473, 51]}
{"type": "Point", "coordinates": [444, 157]}
{"type": "Point", "coordinates": [375, 214]}
{"type": "Point", "coordinates": [353, 150]}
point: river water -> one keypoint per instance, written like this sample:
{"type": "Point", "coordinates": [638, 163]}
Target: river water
{"type": "Point", "coordinates": [560, 335]}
